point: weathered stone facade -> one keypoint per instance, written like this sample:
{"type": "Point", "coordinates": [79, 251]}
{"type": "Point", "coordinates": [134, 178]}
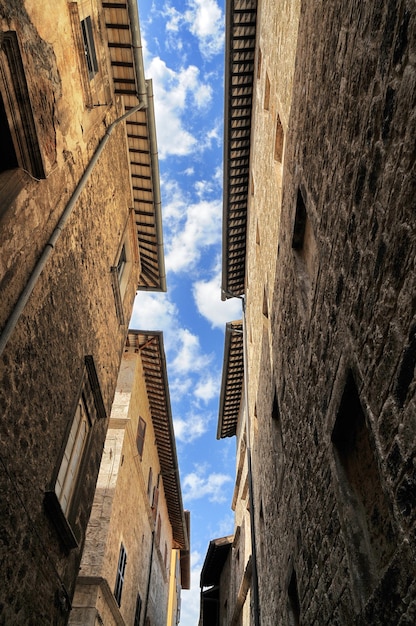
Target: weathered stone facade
{"type": "Point", "coordinates": [131, 507]}
{"type": "Point", "coordinates": [63, 353]}
{"type": "Point", "coordinates": [329, 289]}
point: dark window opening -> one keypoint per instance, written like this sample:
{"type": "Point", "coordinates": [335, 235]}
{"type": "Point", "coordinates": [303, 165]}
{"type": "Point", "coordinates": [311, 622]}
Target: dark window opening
{"type": "Point", "coordinates": [293, 601]}
{"type": "Point", "coordinates": [300, 223]}
{"type": "Point", "coordinates": [365, 506]}
{"type": "Point", "coordinates": [8, 158]}
{"type": "Point", "coordinates": [121, 264]}
{"type": "Point", "coordinates": [138, 610]}
{"type": "Point", "coordinates": [121, 568]}
{"type": "Point", "coordinates": [279, 141]}
{"type": "Point", "coordinates": [89, 47]}
{"type": "Point", "coordinates": [141, 431]}
{"type": "Point", "coordinates": [267, 93]}
{"type": "Point", "coordinates": [19, 140]}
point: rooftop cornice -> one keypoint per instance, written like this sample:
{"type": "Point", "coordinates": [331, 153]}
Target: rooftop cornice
{"type": "Point", "coordinates": [150, 346]}
{"type": "Point", "coordinates": [240, 35]}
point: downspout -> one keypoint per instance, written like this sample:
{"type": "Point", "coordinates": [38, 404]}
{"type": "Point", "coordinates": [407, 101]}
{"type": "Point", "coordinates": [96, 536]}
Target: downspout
{"type": "Point", "coordinates": [255, 586]}
{"type": "Point", "coordinates": [154, 164]}
{"type": "Point", "coordinates": [50, 246]}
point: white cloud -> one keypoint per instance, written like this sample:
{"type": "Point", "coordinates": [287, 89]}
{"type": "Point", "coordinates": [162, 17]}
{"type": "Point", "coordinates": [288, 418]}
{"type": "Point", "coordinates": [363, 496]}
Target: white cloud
{"type": "Point", "coordinates": [191, 428]}
{"type": "Point", "coordinates": [190, 599]}
{"type": "Point", "coordinates": [201, 228]}
{"type": "Point", "coordinates": [206, 23]}
{"type": "Point", "coordinates": [225, 525]}
{"type": "Point", "coordinates": [189, 357]}
{"type": "Point", "coordinates": [207, 296]}
{"type": "Point", "coordinates": [175, 94]}
{"type": "Point", "coordinates": [207, 388]}
{"type": "Point", "coordinates": [152, 311]}
{"type": "Point", "coordinates": [196, 485]}
{"type": "Point", "coordinates": [172, 90]}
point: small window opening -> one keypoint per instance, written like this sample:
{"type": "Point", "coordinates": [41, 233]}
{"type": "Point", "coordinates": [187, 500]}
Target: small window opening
{"type": "Point", "coordinates": [279, 141]}
{"type": "Point", "coordinates": [150, 483]}
{"type": "Point", "coordinates": [121, 568]}
{"type": "Point", "coordinates": [138, 610]}
{"type": "Point", "coordinates": [267, 93]}
{"type": "Point", "coordinates": [89, 47]}
{"type": "Point", "coordinates": [121, 264]}
{"type": "Point", "coordinates": [293, 601]}
{"type": "Point", "coordinates": [300, 223]}
{"type": "Point", "coordinates": [141, 431]}
{"type": "Point", "coordinates": [265, 305]}
{"type": "Point", "coordinates": [366, 508]}
{"type": "Point", "coordinates": [259, 59]}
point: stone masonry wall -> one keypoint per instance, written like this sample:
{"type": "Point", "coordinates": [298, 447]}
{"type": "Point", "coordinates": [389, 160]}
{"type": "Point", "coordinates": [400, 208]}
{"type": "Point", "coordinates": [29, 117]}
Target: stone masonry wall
{"type": "Point", "coordinates": [70, 314]}
{"type": "Point", "coordinates": [336, 498]}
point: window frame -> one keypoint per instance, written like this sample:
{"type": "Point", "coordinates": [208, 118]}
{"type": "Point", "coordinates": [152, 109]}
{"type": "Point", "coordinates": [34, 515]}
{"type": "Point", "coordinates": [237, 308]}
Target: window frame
{"type": "Point", "coordinates": [89, 46]}
{"type": "Point", "coordinates": [18, 114]}
{"type": "Point", "coordinates": [71, 463]}
{"type": "Point", "coordinates": [140, 437]}
{"type": "Point", "coordinates": [121, 571]}
{"type": "Point", "coordinates": [65, 517]}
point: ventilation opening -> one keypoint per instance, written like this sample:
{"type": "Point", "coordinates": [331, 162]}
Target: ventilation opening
{"type": "Point", "coordinates": [366, 511]}
{"type": "Point", "coordinates": [267, 93]}
{"type": "Point", "coordinates": [265, 305]}
{"type": "Point", "coordinates": [279, 140]}
{"type": "Point", "coordinates": [299, 228]}
{"type": "Point", "coordinates": [293, 601]}
{"type": "Point", "coordinates": [277, 437]}
{"type": "Point", "coordinates": [259, 59]}
{"type": "Point", "coordinates": [304, 245]}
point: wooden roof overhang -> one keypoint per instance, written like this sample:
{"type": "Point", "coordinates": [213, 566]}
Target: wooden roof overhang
{"type": "Point", "coordinates": [232, 380]}
{"type": "Point", "coordinates": [142, 144]}
{"type": "Point", "coordinates": [150, 346]}
{"type": "Point", "coordinates": [240, 50]}
{"type": "Point", "coordinates": [216, 556]}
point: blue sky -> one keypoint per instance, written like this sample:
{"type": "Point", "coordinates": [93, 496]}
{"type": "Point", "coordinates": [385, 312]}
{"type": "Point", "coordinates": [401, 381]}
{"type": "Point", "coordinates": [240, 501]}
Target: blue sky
{"type": "Point", "coordinates": [184, 55]}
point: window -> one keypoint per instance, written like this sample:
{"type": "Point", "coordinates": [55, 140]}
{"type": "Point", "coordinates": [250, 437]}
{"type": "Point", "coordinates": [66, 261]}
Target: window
{"type": "Point", "coordinates": [150, 483]}
{"type": "Point", "coordinates": [300, 223]}
{"type": "Point", "coordinates": [293, 601]}
{"type": "Point", "coordinates": [120, 274]}
{"type": "Point", "coordinates": [267, 93]}
{"type": "Point", "coordinates": [122, 260]}
{"type": "Point", "coordinates": [155, 501]}
{"type": "Point", "coordinates": [141, 431]}
{"type": "Point", "coordinates": [364, 507]}
{"type": "Point", "coordinates": [89, 47]}
{"type": "Point", "coordinates": [138, 610]}
{"type": "Point", "coordinates": [158, 530]}
{"type": "Point", "coordinates": [71, 491]}
{"type": "Point", "coordinates": [19, 140]}
{"type": "Point", "coordinates": [304, 245]}
{"type": "Point", "coordinates": [71, 462]}
{"type": "Point", "coordinates": [279, 141]}
{"type": "Point", "coordinates": [121, 568]}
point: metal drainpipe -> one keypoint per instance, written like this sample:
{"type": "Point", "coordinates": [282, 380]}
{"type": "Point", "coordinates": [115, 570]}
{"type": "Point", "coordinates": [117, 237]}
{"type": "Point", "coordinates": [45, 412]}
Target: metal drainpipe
{"type": "Point", "coordinates": [48, 249]}
{"type": "Point", "coordinates": [256, 600]}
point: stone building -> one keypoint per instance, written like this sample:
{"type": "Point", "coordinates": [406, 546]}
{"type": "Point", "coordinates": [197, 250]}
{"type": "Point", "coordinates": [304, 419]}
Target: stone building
{"type": "Point", "coordinates": [137, 529]}
{"type": "Point", "coordinates": [80, 232]}
{"type": "Point", "coordinates": [227, 573]}
{"type": "Point", "coordinates": [320, 242]}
